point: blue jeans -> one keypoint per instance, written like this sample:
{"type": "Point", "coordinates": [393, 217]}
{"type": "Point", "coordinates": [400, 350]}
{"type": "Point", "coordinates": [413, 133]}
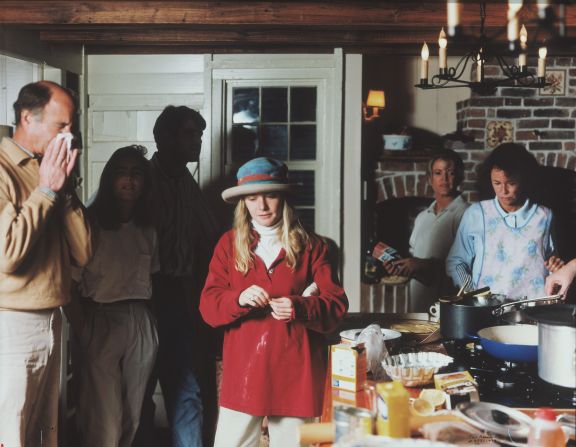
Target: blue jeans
{"type": "Point", "coordinates": [176, 372]}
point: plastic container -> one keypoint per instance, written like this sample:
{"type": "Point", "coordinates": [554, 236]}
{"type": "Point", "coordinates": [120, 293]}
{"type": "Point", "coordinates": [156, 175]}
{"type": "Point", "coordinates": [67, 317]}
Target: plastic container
{"type": "Point", "coordinates": [545, 431]}
{"type": "Point", "coordinates": [393, 410]}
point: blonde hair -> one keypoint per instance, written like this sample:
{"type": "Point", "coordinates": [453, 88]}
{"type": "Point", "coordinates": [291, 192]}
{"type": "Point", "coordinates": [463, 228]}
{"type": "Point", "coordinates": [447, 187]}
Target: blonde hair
{"type": "Point", "coordinates": [293, 236]}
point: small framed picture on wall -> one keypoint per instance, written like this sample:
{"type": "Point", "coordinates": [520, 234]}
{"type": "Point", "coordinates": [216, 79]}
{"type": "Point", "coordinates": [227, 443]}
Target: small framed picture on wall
{"type": "Point", "coordinates": [557, 80]}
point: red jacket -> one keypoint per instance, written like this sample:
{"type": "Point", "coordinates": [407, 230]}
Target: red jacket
{"type": "Point", "coordinates": [271, 367]}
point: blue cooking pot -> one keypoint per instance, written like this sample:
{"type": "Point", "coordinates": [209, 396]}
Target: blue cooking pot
{"type": "Point", "coordinates": [518, 343]}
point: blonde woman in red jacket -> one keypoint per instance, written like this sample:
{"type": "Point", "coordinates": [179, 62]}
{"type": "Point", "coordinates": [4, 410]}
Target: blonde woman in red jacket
{"type": "Point", "coordinates": [272, 288]}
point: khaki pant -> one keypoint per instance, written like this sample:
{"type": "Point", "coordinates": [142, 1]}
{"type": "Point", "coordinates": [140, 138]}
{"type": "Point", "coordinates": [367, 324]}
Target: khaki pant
{"type": "Point", "coordinates": [236, 429]}
{"type": "Point", "coordinates": [118, 349]}
{"type": "Point", "coordinates": [29, 377]}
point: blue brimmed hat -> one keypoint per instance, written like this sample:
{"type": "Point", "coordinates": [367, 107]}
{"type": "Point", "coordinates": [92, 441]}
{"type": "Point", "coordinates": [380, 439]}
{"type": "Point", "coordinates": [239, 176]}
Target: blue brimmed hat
{"type": "Point", "coordinates": [257, 176]}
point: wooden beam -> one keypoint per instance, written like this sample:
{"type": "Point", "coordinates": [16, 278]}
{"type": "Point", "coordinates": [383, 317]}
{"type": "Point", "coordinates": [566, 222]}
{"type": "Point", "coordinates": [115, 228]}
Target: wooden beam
{"type": "Point", "coordinates": [238, 37]}
{"type": "Point", "coordinates": [351, 14]}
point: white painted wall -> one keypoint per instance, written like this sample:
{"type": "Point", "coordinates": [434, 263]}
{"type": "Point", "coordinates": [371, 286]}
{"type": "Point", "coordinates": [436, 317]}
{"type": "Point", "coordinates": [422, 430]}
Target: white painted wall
{"type": "Point", "coordinates": [352, 184]}
{"type": "Point", "coordinates": [435, 110]}
{"type": "Point", "coordinates": [406, 105]}
{"type": "Point", "coordinates": [125, 95]}
{"type": "Point", "coordinates": [14, 74]}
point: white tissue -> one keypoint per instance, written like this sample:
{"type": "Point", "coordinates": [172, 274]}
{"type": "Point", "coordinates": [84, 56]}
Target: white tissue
{"type": "Point", "coordinates": [66, 136]}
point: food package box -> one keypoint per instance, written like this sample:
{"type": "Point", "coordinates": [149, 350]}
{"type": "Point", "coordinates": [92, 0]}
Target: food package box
{"type": "Point", "coordinates": [348, 366]}
{"type": "Point", "coordinates": [384, 252]}
{"type": "Point", "coordinates": [346, 398]}
{"type": "Point", "coordinates": [459, 387]}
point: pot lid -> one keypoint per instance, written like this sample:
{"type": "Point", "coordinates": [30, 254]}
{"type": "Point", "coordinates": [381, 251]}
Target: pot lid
{"type": "Point", "coordinates": [556, 314]}
{"type": "Point", "coordinates": [496, 419]}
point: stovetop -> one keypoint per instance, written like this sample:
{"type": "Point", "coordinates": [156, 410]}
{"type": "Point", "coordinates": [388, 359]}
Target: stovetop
{"type": "Point", "coordinates": [507, 383]}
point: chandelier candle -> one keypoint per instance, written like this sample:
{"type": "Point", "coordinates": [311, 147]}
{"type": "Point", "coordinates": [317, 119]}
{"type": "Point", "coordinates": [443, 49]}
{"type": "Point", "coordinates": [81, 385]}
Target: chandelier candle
{"type": "Point", "coordinates": [442, 59]}
{"type": "Point", "coordinates": [453, 8]}
{"type": "Point", "coordinates": [542, 62]}
{"type": "Point", "coordinates": [424, 64]}
{"type": "Point", "coordinates": [514, 7]}
{"type": "Point", "coordinates": [523, 47]}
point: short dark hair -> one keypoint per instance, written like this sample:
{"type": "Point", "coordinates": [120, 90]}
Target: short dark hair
{"type": "Point", "coordinates": [103, 210]}
{"type": "Point", "coordinates": [515, 160]}
{"type": "Point", "coordinates": [448, 155]}
{"type": "Point", "coordinates": [32, 97]}
{"type": "Point", "coordinates": [171, 120]}
{"type": "Point", "coordinates": [35, 96]}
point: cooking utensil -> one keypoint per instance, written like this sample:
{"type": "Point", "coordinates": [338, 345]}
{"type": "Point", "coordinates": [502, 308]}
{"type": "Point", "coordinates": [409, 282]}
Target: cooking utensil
{"type": "Point", "coordinates": [556, 343]}
{"type": "Point", "coordinates": [415, 368]}
{"type": "Point", "coordinates": [466, 283]}
{"type": "Point", "coordinates": [460, 320]}
{"type": "Point", "coordinates": [496, 419]}
{"type": "Point", "coordinates": [548, 299]}
{"type": "Point", "coordinates": [417, 330]}
{"type": "Point", "coordinates": [463, 319]}
{"type": "Point", "coordinates": [350, 335]}
{"type": "Point", "coordinates": [511, 313]}
{"type": "Point", "coordinates": [459, 296]}
{"type": "Point", "coordinates": [517, 343]}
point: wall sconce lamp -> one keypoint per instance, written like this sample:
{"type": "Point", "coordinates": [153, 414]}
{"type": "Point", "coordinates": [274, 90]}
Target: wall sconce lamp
{"type": "Point", "coordinates": [377, 100]}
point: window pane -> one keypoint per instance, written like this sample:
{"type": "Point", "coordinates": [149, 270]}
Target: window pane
{"type": "Point", "coordinates": [305, 195]}
{"type": "Point", "coordinates": [306, 216]}
{"type": "Point", "coordinates": [275, 104]}
{"type": "Point", "coordinates": [303, 142]}
{"type": "Point", "coordinates": [244, 143]}
{"type": "Point", "coordinates": [245, 107]}
{"type": "Point", "coordinates": [303, 104]}
{"type": "Point", "coordinates": [274, 141]}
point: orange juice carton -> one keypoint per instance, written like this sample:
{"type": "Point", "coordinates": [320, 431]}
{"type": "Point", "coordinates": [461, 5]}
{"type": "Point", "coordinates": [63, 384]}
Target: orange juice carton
{"type": "Point", "coordinates": [348, 366]}
{"type": "Point", "coordinates": [459, 386]}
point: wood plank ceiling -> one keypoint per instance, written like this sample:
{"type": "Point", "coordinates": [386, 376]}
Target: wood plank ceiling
{"type": "Point", "coordinates": [132, 26]}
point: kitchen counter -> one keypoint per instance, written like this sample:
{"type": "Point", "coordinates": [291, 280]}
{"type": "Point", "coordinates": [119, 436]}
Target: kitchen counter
{"type": "Point", "coordinates": [513, 385]}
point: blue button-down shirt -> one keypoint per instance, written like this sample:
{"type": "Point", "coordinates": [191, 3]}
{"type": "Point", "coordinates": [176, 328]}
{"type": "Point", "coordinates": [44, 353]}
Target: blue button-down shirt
{"type": "Point", "coordinates": [467, 252]}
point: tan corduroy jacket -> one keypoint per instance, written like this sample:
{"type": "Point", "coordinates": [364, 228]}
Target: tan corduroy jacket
{"type": "Point", "coordinates": [39, 236]}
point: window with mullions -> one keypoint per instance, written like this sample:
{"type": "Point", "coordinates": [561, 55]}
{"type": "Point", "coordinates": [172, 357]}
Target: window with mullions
{"type": "Point", "coordinates": [278, 122]}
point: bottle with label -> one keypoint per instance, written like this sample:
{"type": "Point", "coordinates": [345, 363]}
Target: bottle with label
{"type": "Point", "coordinates": [372, 270]}
{"type": "Point", "coordinates": [393, 410]}
{"type": "Point", "coordinates": [545, 431]}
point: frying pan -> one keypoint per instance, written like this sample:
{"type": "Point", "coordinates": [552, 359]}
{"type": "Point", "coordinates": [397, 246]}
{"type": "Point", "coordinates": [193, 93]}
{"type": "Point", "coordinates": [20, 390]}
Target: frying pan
{"type": "Point", "coordinates": [517, 343]}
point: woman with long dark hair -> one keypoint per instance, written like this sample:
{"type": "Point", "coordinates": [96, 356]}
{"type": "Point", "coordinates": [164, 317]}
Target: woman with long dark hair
{"type": "Point", "coordinates": [116, 331]}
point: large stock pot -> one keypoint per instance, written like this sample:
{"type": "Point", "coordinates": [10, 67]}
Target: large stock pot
{"type": "Point", "coordinates": [556, 343]}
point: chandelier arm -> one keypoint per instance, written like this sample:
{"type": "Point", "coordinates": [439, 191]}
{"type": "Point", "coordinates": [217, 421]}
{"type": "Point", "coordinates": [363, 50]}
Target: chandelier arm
{"type": "Point", "coordinates": [486, 49]}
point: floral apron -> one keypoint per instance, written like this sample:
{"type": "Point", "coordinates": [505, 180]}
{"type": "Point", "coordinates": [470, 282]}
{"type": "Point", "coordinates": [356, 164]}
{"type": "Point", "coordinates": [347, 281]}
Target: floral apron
{"type": "Point", "coordinates": [513, 262]}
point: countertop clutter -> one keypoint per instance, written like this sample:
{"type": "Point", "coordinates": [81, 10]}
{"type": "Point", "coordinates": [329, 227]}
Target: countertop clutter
{"type": "Point", "coordinates": [445, 392]}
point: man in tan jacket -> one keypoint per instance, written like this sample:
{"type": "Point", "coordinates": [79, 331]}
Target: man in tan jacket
{"type": "Point", "coordinates": [42, 231]}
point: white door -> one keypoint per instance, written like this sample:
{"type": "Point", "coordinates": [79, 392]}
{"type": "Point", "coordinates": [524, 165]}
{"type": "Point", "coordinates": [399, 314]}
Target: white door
{"type": "Point", "coordinates": [287, 107]}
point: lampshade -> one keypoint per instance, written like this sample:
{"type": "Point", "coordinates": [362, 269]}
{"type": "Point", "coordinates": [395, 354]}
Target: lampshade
{"type": "Point", "coordinates": [5, 130]}
{"type": "Point", "coordinates": [376, 98]}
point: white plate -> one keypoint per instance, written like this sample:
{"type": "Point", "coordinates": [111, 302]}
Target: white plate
{"type": "Point", "coordinates": [352, 334]}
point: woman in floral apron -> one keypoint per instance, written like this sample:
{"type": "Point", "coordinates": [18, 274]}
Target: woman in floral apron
{"type": "Point", "coordinates": [506, 242]}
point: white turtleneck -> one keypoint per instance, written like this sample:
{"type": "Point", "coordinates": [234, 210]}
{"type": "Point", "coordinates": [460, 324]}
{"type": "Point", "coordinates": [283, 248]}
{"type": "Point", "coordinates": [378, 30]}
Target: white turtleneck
{"type": "Point", "coordinates": [269, 245]}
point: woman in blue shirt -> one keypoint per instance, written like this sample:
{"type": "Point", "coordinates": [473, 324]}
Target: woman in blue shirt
{"type": "Point", "coordinates": [506, 242]}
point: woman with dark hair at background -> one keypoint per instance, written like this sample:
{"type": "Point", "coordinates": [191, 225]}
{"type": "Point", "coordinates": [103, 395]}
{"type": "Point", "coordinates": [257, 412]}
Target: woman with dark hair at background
{"type": "Point", "coordinates": [110, 312]}
{"type": "Point", "coordinates": [433, 233]}
{"type": "Point", "coordinates": [506, 242]}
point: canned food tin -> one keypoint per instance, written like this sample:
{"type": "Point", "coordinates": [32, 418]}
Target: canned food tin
{"type": "Point", "coordinates": [351, 420]}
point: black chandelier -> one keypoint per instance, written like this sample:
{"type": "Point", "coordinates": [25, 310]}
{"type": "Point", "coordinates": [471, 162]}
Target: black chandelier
{"type": "Point", "coordinates": [483, 50]}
